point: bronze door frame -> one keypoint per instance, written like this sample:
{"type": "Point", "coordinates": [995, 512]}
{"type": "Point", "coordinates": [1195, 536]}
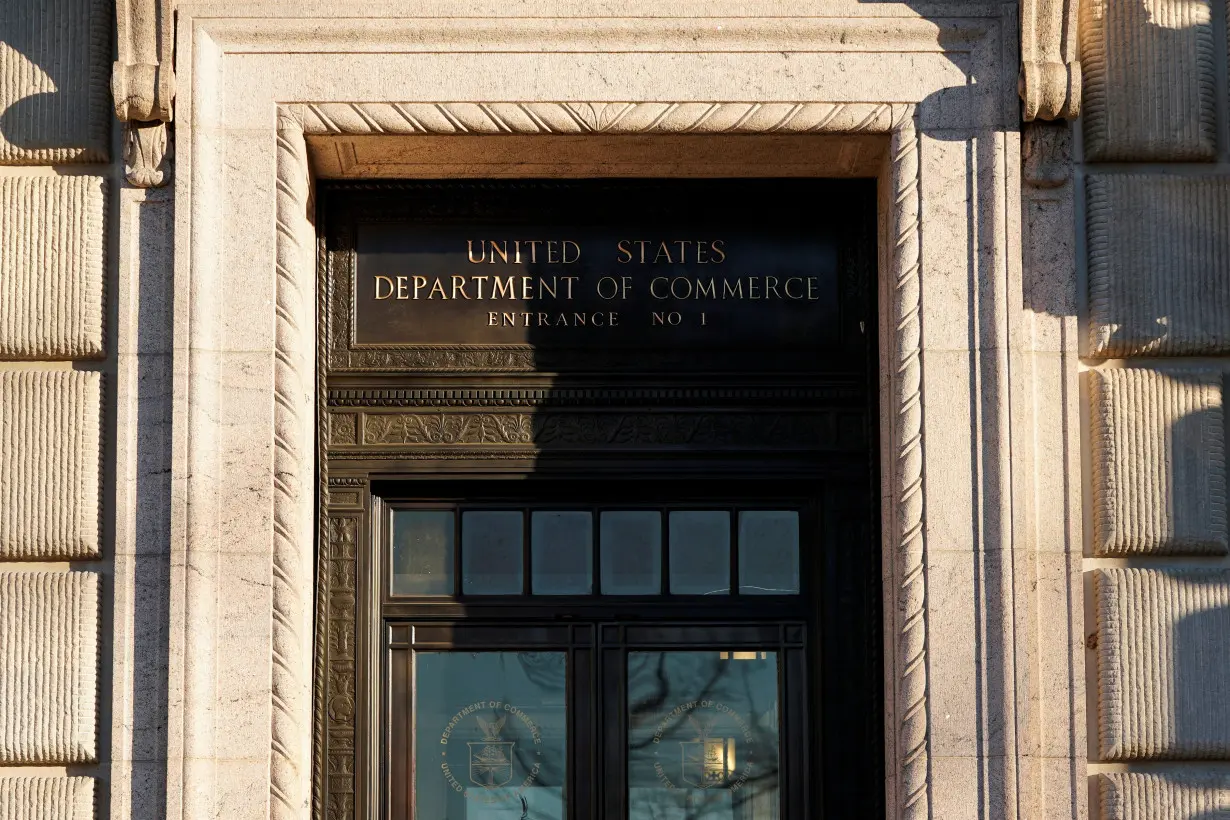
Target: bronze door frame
{"type": "Point", "coordinates": [595, 649]}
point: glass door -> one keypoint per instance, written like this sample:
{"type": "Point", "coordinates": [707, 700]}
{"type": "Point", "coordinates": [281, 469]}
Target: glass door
{"type": "Point", "coordinates": [488, 722]}
{"type": "Point", "coordinates": [562, 657]}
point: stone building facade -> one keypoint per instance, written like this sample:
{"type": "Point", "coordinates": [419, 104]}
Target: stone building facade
{"type": "Point", "coordinates": [1053, 293]}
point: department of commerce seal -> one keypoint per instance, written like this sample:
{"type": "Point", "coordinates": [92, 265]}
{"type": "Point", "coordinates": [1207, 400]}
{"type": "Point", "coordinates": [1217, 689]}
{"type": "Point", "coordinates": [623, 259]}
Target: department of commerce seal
{"type": "Point", "coordinates": [717, 753]}
{"type": "Point", "coordinates": [500, 768]}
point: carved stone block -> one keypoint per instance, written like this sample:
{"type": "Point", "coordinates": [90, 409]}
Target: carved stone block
{"type": "Point", "coordinates": [1159, 468]}
{"type": "Point", "coordinates": [52, 232]}
{"type": "Point", "coordinates": [47, 798]}
{"type": "Point", "coordinates": [1159, 265]}
{"type": "Point", "coordinates": [49, 464]}
{"type": "Point", "coordinates": [1150, 796]}
{"type": "Point", "coordinates": [1163, 644]}
{"type": "Point", "coordinates": [55, 72]}
{"type": "Point", "coordinates": [48, 667]}
{"type": "Point", "coordinates": [1150, 80]}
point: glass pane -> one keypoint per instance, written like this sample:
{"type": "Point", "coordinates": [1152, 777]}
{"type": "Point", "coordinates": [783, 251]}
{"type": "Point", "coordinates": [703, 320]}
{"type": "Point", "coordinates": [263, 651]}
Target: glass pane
{"type": "Point", "coordinates": [700, 552]}
{"type": "Point", "coordinates": [490, 735]}
{"type": "Point", "coordinates": [491, 562]}
{"type": "Point", "coordinates": [631, 556]}
{"type": "Point", "coordinates": [422, 552]}
{"type": "Point", "coordinates": [563, 552]}
{"type": "Point", "coordinates": [703, 738]}
{"type": "Point", "coordinates": [769, 552]}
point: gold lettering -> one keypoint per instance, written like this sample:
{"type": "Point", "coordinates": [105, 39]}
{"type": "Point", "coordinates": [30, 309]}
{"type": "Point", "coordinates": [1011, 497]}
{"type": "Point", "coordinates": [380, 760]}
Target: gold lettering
{"type": "Point", "coordinates": [653, 287]}
{"type": "Point", "coordinates": [437, 286]}
{"type": "Point", "coordinates": [702, 320]}
{"type": "Point", "coordinates": [683, 248]}
{"type": "Point", "coordinates": [388, 282]}
{"type": "Point", "coordinates": [596, 320]}
{"type": "Point", "coordinates": [621, 247]}
{"type": "Point", "coordinates": [505, 288]}
{"type": "Point", "coordinates": [707, 291]}
{"type": "Point", "coordinates": [702, 252]}
{"type": "Point", "coordinates": [732, 293]}
{"type": "Point", "coordinates": [401, 287]}
{"type": "Point", "coordinates": [470, 251]}
{"type": "Point", "coordinates": [508, 319]}
{"type": "Point", "coordinates": [642, 243]}
{"type": "Point", "coordinates": [526, 288]}
{"type": "Point", "coordinates": [543, 288]}
{"type": "Point", "coordinates": [663, 251]}
{"type": "Point", "coordinates": [612, 319]}
{"type": "Point", "coordinates": [614, 284]}
{"type": "Point", "coordinates": [575, 247]}
{"type": "Point", "coordinates": [420, 282]}
{"type": "Point", "coordinates": [753, 287]}
{"type": "Point", "coordinates": [688, 285]}
{"type": "Point", "coordinates": [578, 319]}
{"type": "Point", "coordinates": [790, 295]}
{"type": "Point", "coordinates": [533, 243]}
{"type": "Point", "coordinates": [459, 286]}
{"type": "Point", "coordinates": [552, 259]}
{"type": "Point", "coordinates": [503, 252]}
{"type": "Point", "coordinates": [717, 248]}
{"type": "Point", "coordinates": [812, 295]}
{"type": "Point", "coordinates": [543, 320]}
{"type": "Point", "coordinates": [493, 318]}
{"type": "Point", "coordinates": [568, 280]}
{"type": "Point", "coordinates": [770, 287]}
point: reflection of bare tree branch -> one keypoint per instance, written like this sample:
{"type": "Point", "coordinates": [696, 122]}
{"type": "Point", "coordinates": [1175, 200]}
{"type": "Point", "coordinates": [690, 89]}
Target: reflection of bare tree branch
{"type": "Point", "coordinates": [658, 686]}
{"type": "Point", "coordinates": [652, 704]}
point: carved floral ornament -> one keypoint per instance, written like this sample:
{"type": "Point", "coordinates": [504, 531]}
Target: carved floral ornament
{"type": "Point", "coordinates": [143, 85]}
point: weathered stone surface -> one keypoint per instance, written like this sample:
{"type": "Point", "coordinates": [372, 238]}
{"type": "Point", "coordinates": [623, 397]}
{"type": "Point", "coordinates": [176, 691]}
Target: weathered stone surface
{"type": "Point", "coordinates": [1159, 467]}
{"type": "Point", "coordinates": [1149, 796]}
{"type": "Point", "coordinates": [46, 798]}
{"type": "Point", "coordinates": [1149, 78]}
{"type": "Point", "coordinates": [48, 667]}
{"type": "Point", "coordinates": [52, 261]}
{"type": "Point", "coordinates": [1163, 645]}
{"type": "Point", "coordinates": [55, 69]}
{"type": "Point", "coordinates": [49, 464]}
{"type": "Point", "coordinates": [1159, 265]}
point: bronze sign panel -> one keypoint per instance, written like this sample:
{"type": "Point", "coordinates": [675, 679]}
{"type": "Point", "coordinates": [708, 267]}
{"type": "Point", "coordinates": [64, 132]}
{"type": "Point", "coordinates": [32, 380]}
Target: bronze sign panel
{"type": "Point", "coordinates": [691, 274]}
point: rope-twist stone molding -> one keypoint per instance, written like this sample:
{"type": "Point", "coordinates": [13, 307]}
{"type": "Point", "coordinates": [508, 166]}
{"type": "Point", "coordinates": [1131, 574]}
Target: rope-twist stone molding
{"type": "Point", "coordinates": [292, 658]}
{"type": "Point", "coordinates": [293, 483]}
{"type": "Point", "coordinates": [913, 758]}
{"type": "Point", "coordinates": [592, 118]}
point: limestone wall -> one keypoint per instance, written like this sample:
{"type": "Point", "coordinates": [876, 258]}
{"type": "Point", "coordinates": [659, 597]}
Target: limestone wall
{"type": "Point", "coordinates": [56, 367]}
{"type": "Point", "coordinates": [1156, 312]}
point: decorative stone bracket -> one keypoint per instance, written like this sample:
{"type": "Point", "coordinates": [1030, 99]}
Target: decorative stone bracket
{"type": "Point", "coordinates": [1050, 65]}
{"type": "Point", "coordinates": [143, 85]}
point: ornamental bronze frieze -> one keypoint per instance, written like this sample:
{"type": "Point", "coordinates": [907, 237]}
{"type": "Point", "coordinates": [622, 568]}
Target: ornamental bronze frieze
{"type": "Point", "coordinates": [832, 431]}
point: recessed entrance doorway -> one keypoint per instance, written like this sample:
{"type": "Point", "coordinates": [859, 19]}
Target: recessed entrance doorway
{"type": "Point", "coordinates": [600, 538]}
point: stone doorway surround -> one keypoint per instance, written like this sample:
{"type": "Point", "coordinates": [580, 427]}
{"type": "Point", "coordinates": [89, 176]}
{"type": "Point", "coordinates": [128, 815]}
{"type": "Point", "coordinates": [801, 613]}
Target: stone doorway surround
{"type": "Point", "coordinates": [984, 715]}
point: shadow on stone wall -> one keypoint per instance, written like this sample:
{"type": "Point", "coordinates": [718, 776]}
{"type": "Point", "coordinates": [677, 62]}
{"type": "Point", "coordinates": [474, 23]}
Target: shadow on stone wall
{"type": "Point", "coordinates": [45, 59]}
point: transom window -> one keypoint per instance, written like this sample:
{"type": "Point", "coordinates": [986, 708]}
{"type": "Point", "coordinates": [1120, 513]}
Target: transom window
{"type": "Point", "coordinates": [557, 549]}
